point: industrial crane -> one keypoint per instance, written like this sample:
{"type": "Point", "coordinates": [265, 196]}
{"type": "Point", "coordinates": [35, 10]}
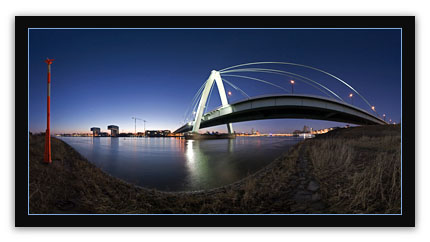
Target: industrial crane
{"type": "Point", "coordinates": [144, 124]}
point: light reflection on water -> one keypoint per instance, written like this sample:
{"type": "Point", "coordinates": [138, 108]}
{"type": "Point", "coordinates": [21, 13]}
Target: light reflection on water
{"type": "Point", "coordinates": [176, 164]}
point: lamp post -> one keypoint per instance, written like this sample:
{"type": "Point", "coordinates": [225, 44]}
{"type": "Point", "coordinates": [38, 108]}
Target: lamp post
{"type": "Point", "coordinates": [292, 86]}
{"type": "Point", "coordinates": [383, 115]}
{"type": "Point", "coordinates": [352, 100]}
{"type": "Point", "coordinates": [374, 110]}
{"type": "Point", "coordinates": [47, 155]}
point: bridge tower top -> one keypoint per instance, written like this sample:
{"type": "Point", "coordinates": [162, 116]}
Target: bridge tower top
{"type": "Point", "coordinates": [215, 76]}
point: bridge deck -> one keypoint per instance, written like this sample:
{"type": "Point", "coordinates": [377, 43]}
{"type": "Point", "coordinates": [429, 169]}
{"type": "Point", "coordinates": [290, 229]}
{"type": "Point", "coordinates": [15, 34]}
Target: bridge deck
{"type": "Point", "coordinates": [286, 106]}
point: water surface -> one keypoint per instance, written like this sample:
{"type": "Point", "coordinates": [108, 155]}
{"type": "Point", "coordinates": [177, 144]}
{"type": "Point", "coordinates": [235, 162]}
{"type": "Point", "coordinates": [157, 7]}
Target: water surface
{"type": "Point", "coordinates": [176, 164]}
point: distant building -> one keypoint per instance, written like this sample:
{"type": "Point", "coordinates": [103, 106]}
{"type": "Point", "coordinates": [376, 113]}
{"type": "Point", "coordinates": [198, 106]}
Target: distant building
{"type": "Point", "coordinates": [306, 129]}
{"type": "Point", "coordinates": [114, 130]}
{"type": "Point", "coordinates": [126, 135]}
{"type": "Point", "coordinates": [96, 131]}
{"type": "Point", "coordinates": [157, 133]}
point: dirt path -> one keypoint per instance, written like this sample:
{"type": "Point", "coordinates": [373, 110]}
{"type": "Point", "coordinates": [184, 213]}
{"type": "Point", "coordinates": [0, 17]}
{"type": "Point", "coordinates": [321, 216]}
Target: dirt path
{"type": "Point", "coordinates": [305, 193]}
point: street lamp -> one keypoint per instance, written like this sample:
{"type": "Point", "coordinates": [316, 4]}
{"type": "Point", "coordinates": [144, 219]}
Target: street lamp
{"type": "Point", "coordinates": [373, 108]}
{"type": "Point", "coordinates": [292, 86]}
{"type": "Point", "coordinates": [229, 93]}
{"type": "Point", "coordinates": [383, 115]}
{"type": "Point", "coordinates": [350, 96]}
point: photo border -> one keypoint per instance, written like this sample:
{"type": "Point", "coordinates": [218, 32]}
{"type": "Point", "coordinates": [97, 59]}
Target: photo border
{"type": "Point", "coordinates": [406, 218]}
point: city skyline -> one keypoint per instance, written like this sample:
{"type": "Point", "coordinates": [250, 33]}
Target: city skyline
{"type": "Point", "coordinates": [105, 77]}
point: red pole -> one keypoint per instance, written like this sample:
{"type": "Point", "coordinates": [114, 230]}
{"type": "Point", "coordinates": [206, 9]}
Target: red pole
{"type": "Point", "coordinates": [47, 157]}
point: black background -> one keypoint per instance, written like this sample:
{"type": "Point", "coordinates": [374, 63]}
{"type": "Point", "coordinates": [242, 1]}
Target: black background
{"type": "Point", "coordinates": [407, 23]}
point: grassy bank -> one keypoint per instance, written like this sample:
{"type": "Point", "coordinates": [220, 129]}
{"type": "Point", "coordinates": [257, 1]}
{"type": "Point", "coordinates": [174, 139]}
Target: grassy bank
{"type": "Point", "coordinates": [359, 169]}
{"type": "Point", "coordinates": [71, 184]}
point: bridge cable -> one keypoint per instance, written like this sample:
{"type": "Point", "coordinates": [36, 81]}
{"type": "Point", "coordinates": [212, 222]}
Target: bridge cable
{"type": "Point", "coordinates": [198, 93]}
{"type": "Point", "coordinates": [301, 65]}
{"type": "Point", "coordinates": [293, 76]}
{"type": "Point", "coordinates": [194, 112]}
{"type": "Point", "coordinates": [209, 97]}
{"type": "Point", "coordinates": [256, 79]}
{"type": "Point", "coordinates": [188, 113]}
{"type": "Point", "coordinates": [237, 88]}
{"type": "Point", "coordinates": [297, 77]}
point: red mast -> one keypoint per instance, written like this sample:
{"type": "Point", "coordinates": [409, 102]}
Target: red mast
{"type": "Point", "coordinates": [47, 157]}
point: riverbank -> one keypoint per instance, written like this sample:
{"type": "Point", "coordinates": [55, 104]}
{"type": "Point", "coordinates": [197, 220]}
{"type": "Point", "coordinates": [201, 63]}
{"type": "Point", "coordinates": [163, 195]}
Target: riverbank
{"type": "Point", "coordinates": [296, 182]}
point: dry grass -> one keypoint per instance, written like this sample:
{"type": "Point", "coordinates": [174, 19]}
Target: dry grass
{"type": "Point", "coordinates": [359, 174]}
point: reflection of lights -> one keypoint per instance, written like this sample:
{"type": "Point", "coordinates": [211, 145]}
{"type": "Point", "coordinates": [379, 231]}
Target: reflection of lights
{"type": "Point", "coordinates": [197, 164]}
{"type": "Point", "coordinates": [189, 151]}
{"type": "Point", "coordinates": [230, 146]}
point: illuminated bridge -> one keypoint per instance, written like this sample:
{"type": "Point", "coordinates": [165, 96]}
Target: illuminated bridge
{"type": "Point", "coordinates": [293, 106]}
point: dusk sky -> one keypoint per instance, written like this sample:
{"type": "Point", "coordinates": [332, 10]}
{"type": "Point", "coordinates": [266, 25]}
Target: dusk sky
{"type": "Point", "coordinates": [104, 77]}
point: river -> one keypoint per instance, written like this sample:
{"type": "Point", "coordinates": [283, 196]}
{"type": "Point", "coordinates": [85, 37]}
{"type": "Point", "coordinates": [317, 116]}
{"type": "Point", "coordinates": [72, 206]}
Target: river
{"type": "Point", "coordinates": [176, 164]}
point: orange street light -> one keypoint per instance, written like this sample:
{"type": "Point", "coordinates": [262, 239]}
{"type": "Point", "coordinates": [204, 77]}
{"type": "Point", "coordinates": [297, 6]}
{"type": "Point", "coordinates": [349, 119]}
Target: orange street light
{"type": "Point", "coordinates": [292, 86]}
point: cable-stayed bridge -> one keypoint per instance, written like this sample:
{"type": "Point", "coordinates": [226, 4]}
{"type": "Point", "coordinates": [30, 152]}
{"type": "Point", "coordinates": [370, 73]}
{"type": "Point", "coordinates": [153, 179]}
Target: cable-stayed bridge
{"type": "Point", "coordinates": [288, 105]}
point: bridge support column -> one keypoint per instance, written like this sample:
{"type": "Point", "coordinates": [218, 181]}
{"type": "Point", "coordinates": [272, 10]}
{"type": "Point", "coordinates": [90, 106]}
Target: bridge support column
{"type": "Point", "coordinates": [223, 96]}
{"type": "Point", "coordinates": [215, 76]}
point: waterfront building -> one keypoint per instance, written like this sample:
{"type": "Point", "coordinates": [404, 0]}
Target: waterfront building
{"type": "Point", "coordinates": [95, 130]}
{"type": "Point", "coordinates": [114, 130]}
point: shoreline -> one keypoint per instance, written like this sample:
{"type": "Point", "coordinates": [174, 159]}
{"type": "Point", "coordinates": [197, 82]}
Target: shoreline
{"type": "Point", "coordinates": [187, 183]}
{"type": "Point", "coordinates": [71, 184]}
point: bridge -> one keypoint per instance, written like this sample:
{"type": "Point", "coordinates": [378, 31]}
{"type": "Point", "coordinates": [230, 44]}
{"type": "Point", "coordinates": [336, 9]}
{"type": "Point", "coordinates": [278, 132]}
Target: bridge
{"type": "Point", "coordinates": [297, 106]}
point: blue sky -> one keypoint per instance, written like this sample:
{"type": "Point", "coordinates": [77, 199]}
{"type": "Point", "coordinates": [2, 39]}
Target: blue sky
{"type": "Point", "coordinates": [103, 77]}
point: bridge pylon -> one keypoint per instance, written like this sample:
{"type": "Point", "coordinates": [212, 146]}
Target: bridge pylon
{"type": "Point", "coordinates": [214, 77]}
